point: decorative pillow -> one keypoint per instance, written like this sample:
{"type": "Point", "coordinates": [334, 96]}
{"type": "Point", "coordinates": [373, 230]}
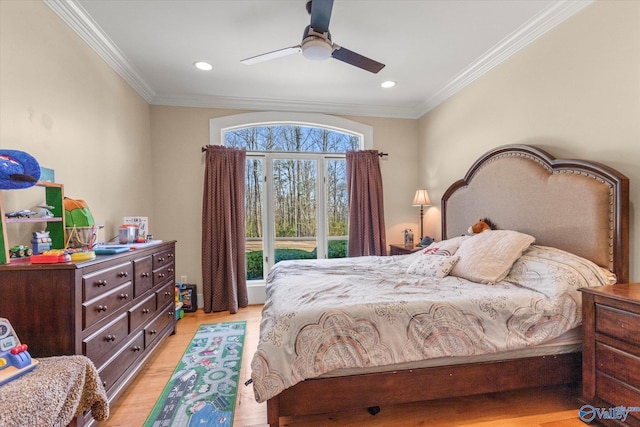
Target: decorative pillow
{"type": "Point", "coordinates": [445, 247]}
{"type": "Point", "coordinates": [553, 271]}
{"type": "Point", "coordinates": [432, 266]}
{"type": "Point", "coordinates": [487, 257]}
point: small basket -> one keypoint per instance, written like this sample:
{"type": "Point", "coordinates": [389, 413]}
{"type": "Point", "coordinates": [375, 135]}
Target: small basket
{"type": "Point", "coordinates": [81, 237]}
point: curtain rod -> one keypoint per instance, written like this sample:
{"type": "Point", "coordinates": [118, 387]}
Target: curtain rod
{"type": "Point", "coordinates": [379, 154]}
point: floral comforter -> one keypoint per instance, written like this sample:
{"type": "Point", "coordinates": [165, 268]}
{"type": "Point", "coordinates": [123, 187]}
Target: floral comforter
{"type": "Point", "coordinates": [323, 315]}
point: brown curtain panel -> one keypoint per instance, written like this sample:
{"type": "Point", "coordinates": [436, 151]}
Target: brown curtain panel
{"type": "Point", "coordinates": [367, 234]}
{"type": "Point", "coordinates": [223, 249]}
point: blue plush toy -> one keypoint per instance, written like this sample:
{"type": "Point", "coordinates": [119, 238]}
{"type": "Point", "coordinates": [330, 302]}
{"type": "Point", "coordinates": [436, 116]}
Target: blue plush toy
{"type": "Point", "coordinates": [17, 170]}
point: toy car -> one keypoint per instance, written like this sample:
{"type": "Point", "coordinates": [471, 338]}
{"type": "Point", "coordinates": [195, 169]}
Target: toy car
{"type": "Point", "coordinates": [20, 251]}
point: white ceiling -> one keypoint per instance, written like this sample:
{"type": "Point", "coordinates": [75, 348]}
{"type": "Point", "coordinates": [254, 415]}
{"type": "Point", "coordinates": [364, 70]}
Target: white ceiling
{"type": "Point", "coordinates": [431, 48]}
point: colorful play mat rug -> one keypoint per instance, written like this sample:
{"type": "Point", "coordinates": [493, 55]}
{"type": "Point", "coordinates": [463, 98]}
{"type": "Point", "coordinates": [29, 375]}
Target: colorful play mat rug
{"type": "Point", "coordinates": [202, 390]}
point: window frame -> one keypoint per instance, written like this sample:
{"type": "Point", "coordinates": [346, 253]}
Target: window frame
{"type": "Point", "coordinates": [219, 125]}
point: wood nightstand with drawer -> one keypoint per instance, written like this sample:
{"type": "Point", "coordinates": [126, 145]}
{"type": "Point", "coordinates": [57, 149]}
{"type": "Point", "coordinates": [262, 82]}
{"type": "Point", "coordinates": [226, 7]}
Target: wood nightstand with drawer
{"type": "Point", "coordinates": [611, 348]}
{"type": "Point", "coordinates": [400, 249]}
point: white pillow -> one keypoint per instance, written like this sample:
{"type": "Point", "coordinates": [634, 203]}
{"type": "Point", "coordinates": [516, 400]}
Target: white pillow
{"type": "Point", "coordinates": [487, 257]}
{"type": "Point", "coordinates": [427, 265]}
{"type": "Point", "coordinates": [445, 247]}
{"type": "Point", "coordinates": [553, 271]}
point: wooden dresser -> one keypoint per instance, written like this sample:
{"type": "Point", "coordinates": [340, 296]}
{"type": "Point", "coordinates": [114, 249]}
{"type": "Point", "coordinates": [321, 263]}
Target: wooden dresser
{"type": "Point", "coordinates": [611, 350]}
{"type": "Point", "coordinates": [114, 309]}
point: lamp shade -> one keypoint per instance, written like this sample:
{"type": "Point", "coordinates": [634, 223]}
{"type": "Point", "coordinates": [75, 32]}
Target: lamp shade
{"type": "Point", "coordinates": [421, 198]}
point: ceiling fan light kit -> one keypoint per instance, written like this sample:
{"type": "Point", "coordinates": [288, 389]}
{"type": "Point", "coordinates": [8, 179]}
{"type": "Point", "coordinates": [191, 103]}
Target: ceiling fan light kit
{"type": "Point", "coordinates": [316, 42]}
{"type": "Point", "coordinates": [316, 49]}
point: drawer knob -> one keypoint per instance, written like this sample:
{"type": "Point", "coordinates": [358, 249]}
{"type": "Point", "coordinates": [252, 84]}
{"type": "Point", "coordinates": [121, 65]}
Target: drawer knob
{"type": "Point", "coordinates": [167, 294]}
{"type": "Point", "coordinates": [136, 348]}
{"type": "Point", "coordinates": [145, 311]}
{"type": "Point", "coordinates": [123, 274]}
{"type": "Point", "coordinates": [102, 308]}
{"type": "Point", "coordinates": [145, 274]}
{"type": "Point", "coordinates": [101, 283]}
{"type": "Point", "coordinates": [153, 332]}
{"type": "Point", "coordinates": [170, 256]}
{"type": "Point", "coordinates": [110, 338]}
{"type": "Point", "coordinates": [124, 296]}
{"type": "Point", "coordinates": [170, 270]}
{"type": "Point", "coordinates": [161, 274]}
{"type": "Point", "coordinates": [170, 313]}
{"type": "Point", "coordinates": [161, 259]}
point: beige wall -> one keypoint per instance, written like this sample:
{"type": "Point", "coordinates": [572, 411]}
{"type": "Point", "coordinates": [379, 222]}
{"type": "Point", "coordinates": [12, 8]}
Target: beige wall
{"type": "Point", "coordinates": [575, 92]}
{"type": "Point", "coordinates": [178, 134]}
{"type": "Point", "coordinates": [64, 105]}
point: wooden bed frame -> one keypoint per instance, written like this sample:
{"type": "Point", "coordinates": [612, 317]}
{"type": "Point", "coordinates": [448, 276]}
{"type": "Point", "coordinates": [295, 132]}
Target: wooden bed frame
{"type": "Point", "coordinates": [574, 205]}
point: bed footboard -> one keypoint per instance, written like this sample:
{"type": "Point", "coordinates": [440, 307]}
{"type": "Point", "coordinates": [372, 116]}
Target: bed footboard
{"type": "Point", "coordinates": [325, 395]}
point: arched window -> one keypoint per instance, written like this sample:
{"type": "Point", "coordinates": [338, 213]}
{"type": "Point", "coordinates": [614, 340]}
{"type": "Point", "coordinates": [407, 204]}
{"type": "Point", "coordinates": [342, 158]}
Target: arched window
{"type": "Point", "coordinates": [295, 183]}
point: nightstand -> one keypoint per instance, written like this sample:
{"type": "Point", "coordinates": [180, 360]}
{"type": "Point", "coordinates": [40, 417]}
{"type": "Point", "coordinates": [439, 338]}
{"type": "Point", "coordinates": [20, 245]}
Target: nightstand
{"type": "Point", "coordinates": [611, 349]}
{"type": "Point", "coordinates": [399, 249]}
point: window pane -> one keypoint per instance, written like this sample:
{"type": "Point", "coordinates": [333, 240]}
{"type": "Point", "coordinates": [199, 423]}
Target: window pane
{"type": "Point", "coordinates": [295, 209]}
{"type": "Point", "coordinates": [337, 208]}
{"type": "Point", "coordinates": [253, 219]}
{"type": "Point", "coordinates": [291, 138]}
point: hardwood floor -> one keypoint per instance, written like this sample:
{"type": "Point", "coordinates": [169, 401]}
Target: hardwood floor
{"type": "Point", "coordinates": [547, 407]}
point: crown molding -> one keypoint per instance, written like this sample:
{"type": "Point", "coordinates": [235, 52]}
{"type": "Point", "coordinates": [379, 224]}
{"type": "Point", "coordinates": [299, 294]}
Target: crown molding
{"type": "Point", "coordinates": [258, 104]}
{"type": "Point", "coordinates": [549, 18]}
{"type": "Point", "coordinates": [75, 16]}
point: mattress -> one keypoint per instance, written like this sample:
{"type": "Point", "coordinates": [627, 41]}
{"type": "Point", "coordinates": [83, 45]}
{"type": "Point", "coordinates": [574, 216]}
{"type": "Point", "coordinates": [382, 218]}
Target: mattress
{"type": "Point", "coordinates": [569, 342]}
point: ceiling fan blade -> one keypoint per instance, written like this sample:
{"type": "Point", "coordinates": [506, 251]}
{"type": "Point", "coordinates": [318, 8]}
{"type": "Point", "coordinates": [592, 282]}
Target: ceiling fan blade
{"type": "Point", "coordinates": [321, 15]}
{"type": "Point", "coordinates": [350, 57]}
{"type": "Point", "coordinates": [272, 55]}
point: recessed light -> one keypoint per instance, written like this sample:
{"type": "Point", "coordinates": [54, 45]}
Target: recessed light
{"type": "Point", "coordinates": [388, 84]}
{"type": "Point", "coordinates": [204, 66]}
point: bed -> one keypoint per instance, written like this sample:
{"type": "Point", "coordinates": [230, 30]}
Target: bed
{"type": "Point", "coordinates": [574, 209]}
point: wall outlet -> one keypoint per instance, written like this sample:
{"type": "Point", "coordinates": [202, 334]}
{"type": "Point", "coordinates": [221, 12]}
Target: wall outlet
{"type": "Point", "coordinates": [183, 279]}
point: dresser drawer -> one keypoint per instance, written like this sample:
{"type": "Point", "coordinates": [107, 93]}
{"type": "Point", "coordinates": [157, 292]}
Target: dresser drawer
{"type": "Point", "coordinates": [162, 258]}
{"type": "Point", "coordinates": [114, 368]}
{"type": "Point", "coordinates": [104, 342]}
{"type": "Point", "coordinates": [143, 275]}
{"type": "Point", "coordinates": [166, 293]}
{"type": "Point", "coordinates": [142, 312]}
{"type": "Point", "coordinates": [153, 330]}
{"type": "Point", "coordinates": [109, 303]}
{"type": "Point", "coordinates": [163, 274]}
{"type": "Point", "coordinates": [101, 281]}
{"type": "Point", "coordinates": [618, 394]}
{"type": "Point", "coordinates": [618, 364]}
{"type": "Point", "coordinates": [618, 323]}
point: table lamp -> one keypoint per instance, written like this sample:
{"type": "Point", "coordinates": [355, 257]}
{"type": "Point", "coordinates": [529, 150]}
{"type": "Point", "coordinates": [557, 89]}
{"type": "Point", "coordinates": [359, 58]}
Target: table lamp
{"type": "Point", "coordinates": [421, 199]}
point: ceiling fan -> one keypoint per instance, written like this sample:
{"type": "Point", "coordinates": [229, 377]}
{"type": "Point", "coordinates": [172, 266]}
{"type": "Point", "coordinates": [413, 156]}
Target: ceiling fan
{"type": "Point", "coordinates": [317, 44]}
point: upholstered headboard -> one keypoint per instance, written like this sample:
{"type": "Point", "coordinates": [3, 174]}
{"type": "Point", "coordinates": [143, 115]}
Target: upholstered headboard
{"type": "Point", "coordinates": [575, 205]}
